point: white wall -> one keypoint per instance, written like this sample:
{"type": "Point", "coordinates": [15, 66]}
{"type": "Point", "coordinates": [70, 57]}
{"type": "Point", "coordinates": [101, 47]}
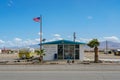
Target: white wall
{"type": "Point", "coordinates": [50, 50]}
{"type": "Point", "coordinates": [0, 51]}
{"type": "Point", "coordinates": [81, 52]}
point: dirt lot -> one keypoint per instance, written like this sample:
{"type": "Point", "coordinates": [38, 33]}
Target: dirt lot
{"type": "Point", "coordinates": [9, 57]}
{"type": "Point", "coordinates": [88, 55]}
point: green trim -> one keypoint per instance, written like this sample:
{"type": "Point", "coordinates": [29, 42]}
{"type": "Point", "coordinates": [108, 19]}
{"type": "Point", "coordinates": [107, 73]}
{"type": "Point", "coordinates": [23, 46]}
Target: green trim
{"type": "Point", "coordinates": [63, 42]}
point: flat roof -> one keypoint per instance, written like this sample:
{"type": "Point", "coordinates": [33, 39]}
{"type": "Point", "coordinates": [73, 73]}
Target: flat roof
{"type": "Point", "coordinates": [63, 42]}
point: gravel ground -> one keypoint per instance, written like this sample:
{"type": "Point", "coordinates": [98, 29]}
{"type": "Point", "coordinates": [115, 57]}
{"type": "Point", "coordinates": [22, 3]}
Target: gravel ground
{"type": "Point", "coordinates": [88, 55]}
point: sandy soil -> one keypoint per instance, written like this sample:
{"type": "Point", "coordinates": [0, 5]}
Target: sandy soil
{"type": "Point", "coordinates": [4, 57]}
{"type": "Point", "coordinates": [88, 55]}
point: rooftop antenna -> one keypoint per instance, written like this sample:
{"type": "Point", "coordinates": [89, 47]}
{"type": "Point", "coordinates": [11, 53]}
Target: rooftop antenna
{"type": "Point", "coordinates": [74, 36]}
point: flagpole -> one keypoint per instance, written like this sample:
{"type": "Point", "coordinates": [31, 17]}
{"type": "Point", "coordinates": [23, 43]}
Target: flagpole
{"type": "Point", "coordinates": [40, 32]}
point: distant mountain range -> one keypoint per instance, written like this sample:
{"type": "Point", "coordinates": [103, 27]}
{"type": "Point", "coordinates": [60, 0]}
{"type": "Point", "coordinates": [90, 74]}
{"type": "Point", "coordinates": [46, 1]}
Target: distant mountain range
{"type": "Point", "coordinates": [109, 44]}
{"type": "Point", "coordinates": [21, 47]}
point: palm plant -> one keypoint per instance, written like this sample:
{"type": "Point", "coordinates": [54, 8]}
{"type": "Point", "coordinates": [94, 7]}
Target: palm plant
{"type": "Point", "coordinates": [41, 53]}
{"type": "Point", "coordinates": [94, 44]}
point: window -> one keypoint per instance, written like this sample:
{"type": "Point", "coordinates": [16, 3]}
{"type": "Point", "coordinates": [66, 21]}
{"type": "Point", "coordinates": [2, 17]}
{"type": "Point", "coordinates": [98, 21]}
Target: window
{"type": "Point", "coordinates": [60, 51]}
{"type": "Point", "coordinates": [77, 46]}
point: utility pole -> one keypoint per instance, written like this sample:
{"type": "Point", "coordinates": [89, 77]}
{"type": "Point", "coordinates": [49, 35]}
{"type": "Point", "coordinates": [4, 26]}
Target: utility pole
{"type": "Point", "coordinates": [74, 37]}
{"type": "Point", "coordinates": [106, 47]}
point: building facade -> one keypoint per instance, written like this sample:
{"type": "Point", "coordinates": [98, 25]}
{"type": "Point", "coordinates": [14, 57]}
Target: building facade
{"type": "Point", "coordinates": [63, 49]}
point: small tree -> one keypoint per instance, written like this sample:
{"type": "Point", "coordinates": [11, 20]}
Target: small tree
{"type": "Point", "coordinates": [41, 53]}
{"type": "Point", "coordinates": [94, 44]}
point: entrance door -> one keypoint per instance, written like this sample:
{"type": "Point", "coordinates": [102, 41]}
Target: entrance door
{"type": "Point", "coordinates": [69, 51]}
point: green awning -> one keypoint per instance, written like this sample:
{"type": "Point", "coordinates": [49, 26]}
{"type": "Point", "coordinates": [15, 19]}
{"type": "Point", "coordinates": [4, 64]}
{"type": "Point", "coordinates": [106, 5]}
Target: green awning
{"type": "Point", "coordinates": [63, 42]}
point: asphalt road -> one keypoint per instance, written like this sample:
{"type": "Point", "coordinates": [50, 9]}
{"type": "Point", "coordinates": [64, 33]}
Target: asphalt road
{"type": "Point", "coordinates": [59, 75]}
{"type": "Point", "coordinates": [60, 72]}
{"type": "Point", "coordinates": [65, 67]}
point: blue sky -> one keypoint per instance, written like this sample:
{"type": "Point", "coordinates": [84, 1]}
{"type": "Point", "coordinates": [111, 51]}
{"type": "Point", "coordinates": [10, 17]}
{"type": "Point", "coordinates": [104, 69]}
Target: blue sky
{"type": "Point", "coordinates": [60, 19]}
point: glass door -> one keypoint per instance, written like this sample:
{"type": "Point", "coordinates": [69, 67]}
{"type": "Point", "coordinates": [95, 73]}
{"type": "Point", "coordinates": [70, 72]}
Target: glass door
{"type": "Point", "coordinates": [68, 51]}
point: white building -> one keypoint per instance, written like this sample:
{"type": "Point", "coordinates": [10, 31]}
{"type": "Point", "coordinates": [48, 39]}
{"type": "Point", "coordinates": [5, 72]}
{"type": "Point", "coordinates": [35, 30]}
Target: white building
{"type": "Point", "coordinates": [0, 51]}
{"type": "Point", "coordinates": [63, 49]}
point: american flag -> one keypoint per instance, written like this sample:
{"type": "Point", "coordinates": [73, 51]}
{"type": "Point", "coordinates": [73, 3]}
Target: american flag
{"type": "Point", "coordinates": [37, 19]}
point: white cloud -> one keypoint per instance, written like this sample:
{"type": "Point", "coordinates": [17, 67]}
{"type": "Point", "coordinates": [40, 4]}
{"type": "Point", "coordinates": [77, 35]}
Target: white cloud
{"type": "Point", "coordinates": [57, 35]}
{"type": "Point", "coordinates": [59, 38]}
{"type": "Point", "coordinates": [38, 39]}
{"type": "Point", "coordinates": [17, 39]}
{"type": "Point", "coordinates": [18, 42]}
{"type": "Point", "coordinates": [10, 3]}
{"type": "Point", "coordinates": [54, 39]}
{"type": "Point", "coordinates": [2, 42]}
{"type": "Point", "coordinates": [9, 44]}
{"type": "Point", "coordinates": [112, 38]}
{"type": "Point", "coordinates": [39, 33]}
{"type": "Point", "coordinates": [69, 37]}
{"type": "Point", "coordinates": [84, 40]}
{"type": "Point", "coordinates": [90, 17]}
{"type": "Point", "coordinates": [28, 42]}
